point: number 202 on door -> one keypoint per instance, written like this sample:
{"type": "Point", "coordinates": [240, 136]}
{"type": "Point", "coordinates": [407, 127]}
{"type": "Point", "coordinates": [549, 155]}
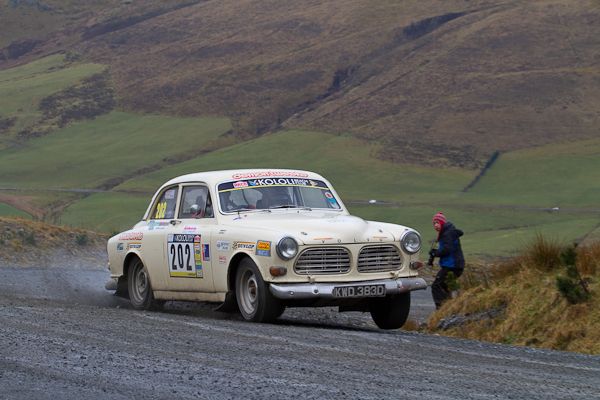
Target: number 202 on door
{"type": "Point", "coordinates": [185, 255]}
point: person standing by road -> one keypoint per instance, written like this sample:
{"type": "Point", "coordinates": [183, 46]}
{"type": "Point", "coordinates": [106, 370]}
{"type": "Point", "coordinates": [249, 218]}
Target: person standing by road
{"type": "Point", "coordinates": [452, 260]}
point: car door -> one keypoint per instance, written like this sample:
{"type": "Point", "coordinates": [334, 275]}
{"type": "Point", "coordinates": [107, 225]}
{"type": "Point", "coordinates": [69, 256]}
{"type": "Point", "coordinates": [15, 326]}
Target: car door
{"type": "Point", "coordinates": [154, 236]}
{"type": "Point", "coordinates": [187, 242]}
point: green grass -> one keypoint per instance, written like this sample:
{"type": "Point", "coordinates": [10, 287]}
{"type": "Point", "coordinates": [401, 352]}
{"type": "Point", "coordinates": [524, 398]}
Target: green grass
{"type": "Point", "coordinates": [87, 154]}
{"type": "Point", "coordinates": [106, 212]}
{"type": "Point", "coordinates": [9, 211]}
{"type": "Point", "coordinates": [22, 88]}
{"type": "Point", "coordinates": [563, 175]}
{"type": "Point", "coordinates": [345, 161]}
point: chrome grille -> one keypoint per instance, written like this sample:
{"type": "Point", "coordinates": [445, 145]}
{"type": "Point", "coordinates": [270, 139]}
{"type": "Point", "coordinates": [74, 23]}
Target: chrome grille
{"type": "Point", "coordinates": [323, 260]}
{"type": "Point", "coordinates": [379, 259]}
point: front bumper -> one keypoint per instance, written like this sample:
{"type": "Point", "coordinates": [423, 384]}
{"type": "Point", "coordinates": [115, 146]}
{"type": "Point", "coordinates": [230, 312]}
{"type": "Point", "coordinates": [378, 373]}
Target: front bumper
{"type": "Point", "coordinates": [297, 291]}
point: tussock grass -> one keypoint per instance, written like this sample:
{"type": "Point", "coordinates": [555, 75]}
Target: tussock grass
{"type": "Point", "coordinates": [518, 302]}
{"type": "Point", "coordinates": [542, 253]}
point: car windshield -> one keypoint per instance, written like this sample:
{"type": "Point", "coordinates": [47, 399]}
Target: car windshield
{"type": "Point", "coordinates": [274, 193]}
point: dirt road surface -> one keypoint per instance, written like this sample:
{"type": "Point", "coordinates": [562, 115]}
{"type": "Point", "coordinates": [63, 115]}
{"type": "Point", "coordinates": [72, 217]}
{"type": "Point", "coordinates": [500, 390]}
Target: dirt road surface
{"type": "Point", "coordinates": [62, 336]}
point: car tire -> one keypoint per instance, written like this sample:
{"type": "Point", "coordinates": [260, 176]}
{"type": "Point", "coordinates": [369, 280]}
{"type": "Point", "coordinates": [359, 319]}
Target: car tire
{"type": "Point", "coordinates": [390, 312]}
{"type": "Point", "coordinates": [254, 299]}
{"type": "Point", "coordinates": [140, 288]}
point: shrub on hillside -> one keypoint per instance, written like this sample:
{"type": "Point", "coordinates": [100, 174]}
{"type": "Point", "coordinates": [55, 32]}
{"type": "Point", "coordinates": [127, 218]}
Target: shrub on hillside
{"type": "Point", "coordinates": [572, 286]}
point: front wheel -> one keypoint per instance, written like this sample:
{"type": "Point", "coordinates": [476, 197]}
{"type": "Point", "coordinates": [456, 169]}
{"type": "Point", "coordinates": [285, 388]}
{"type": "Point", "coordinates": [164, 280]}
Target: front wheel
{"type": "Point", "coordinates": [140, 289]}
{"type": "Point", "coordinates": [255, 301]}
{"type": "Point", "coordinates": [390, 312]}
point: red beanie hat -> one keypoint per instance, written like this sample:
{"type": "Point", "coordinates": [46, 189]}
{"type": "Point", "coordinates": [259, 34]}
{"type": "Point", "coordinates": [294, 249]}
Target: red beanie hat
{"type": "Point", "coordinates": [440, 217]}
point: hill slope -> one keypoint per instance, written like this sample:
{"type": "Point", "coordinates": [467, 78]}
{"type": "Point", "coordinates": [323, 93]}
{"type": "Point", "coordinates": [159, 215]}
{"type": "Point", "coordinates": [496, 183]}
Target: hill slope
{"type": "Point", "coordinates": [437, 82]}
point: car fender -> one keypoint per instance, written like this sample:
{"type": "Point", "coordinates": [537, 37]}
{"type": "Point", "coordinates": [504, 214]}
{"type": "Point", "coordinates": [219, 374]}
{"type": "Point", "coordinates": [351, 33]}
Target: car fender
{"type": "Point", "coordinates": [129, 255]}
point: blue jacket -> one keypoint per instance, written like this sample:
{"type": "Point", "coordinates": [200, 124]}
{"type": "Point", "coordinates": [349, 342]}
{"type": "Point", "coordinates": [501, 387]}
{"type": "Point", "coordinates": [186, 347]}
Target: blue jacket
{"type": "Point", "coordinates": [449, 250]}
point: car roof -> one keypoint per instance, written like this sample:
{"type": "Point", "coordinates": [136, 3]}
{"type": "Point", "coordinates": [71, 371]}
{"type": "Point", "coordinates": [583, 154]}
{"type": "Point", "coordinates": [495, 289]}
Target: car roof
{"type": "Point", "coordinates": [214, 177]}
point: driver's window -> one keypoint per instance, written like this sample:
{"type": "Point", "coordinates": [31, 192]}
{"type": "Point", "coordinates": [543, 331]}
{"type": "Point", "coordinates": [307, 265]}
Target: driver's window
{"type": "Point", "coordinates": [165, 207]}
{"type": "Point", "coordinates": [195, 203]}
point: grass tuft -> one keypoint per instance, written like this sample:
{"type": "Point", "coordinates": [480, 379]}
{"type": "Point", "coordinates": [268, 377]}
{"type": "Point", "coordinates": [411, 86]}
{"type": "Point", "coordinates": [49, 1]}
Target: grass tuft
{"type": "Point", "coordinates": [543, 253]}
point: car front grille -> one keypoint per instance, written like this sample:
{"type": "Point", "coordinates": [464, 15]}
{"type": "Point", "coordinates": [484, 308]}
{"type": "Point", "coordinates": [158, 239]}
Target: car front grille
{"type": "Point", "coordinates": [379, 259]}
{"type": "Point", "coordinates": [322, 261]}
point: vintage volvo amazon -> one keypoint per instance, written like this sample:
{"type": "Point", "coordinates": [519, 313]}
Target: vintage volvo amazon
{"type": "Point", "coordinates": [261, 240]}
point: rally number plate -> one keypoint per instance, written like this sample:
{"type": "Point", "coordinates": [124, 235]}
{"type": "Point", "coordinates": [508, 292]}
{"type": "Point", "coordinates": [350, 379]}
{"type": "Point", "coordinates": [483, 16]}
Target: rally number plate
{"type": "Point", "coordinates": [359, 291]}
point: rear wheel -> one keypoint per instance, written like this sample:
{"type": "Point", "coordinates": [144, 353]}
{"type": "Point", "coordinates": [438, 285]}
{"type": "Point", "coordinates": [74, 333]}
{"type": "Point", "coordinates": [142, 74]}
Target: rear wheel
{"type": "Point", "coordinates": [255, 301]}
{"type": "Point", "coordinates": [390, 312]}
{"type": "Point", "coordinates": [140, 289]}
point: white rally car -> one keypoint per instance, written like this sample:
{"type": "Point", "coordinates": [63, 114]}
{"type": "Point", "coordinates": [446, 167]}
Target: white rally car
{"type": "Point", "coordinates": [260, 240]}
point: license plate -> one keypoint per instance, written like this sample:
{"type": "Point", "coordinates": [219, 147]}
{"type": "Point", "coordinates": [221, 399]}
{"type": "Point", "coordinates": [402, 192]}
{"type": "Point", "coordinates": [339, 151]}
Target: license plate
{"type": "Point", "coordinates": [359, 291]}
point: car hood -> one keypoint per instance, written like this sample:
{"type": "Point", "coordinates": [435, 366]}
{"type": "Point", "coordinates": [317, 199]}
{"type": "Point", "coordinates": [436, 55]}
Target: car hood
{"type": "Point", "coordinates": [313, 227]}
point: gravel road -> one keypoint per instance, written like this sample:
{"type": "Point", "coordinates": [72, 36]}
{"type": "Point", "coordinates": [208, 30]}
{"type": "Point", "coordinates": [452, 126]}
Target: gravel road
{"type": "Point", "coordinates": [62, 336]}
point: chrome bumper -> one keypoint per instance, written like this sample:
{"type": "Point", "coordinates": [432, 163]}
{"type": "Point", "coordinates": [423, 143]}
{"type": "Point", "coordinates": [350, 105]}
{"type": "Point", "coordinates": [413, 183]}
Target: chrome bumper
{"type": "Point", "coordinates": [293, 291]}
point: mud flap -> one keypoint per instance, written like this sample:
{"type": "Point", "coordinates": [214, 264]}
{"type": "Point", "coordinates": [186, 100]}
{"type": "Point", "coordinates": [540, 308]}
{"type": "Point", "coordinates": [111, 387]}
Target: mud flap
{"type": "Point", "coordinates": [122, 290]}
{"type": "Point", "coordinates": [229, 305]}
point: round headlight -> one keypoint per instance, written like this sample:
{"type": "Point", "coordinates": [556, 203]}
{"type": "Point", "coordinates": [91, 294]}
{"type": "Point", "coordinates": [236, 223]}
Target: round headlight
{"type": "Point", "coordinates": [287, 248]}
{"type": "Point", "coordinates": [411, 242]}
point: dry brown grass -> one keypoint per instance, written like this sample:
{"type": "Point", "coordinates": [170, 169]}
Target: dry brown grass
{"type": "Point", "coordinates": [588, 260]}
{"type": "Point", "coordinates": [542, 253]}
{"type": "Point", "coordinates": [411, 325]}
{"type": "Point", "coordinates": [533, 312]}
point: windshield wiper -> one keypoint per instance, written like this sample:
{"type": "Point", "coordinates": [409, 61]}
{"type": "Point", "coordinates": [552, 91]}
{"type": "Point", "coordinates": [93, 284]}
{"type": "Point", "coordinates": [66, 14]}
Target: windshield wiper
{"type": "Point", "coordinates": [241, 210]}
{"type": "Point", "coordinates": [291, 206]}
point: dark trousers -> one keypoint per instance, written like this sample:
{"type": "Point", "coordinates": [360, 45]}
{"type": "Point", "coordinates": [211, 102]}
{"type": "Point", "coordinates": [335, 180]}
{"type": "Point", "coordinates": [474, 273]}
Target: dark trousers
{"type": "Point", "coordinates": [439, 287]}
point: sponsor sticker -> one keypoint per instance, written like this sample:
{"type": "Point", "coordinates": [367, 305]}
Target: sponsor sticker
{"type": "Point", "coordinates": [263, 248]}
{"type": "Point", "coordinates": [262, 174]}
{"type": "Point", "coordinates": [134, 246]}
{"type": "Point", "coordinates": [243, 245]}
{"type": "Point", "coordinates": [131, 236]}
{"type": "Point", "coordinates": [223, 245]}
{"type": "Point", "coordinates": [206, 252]}
{"type": "Point", "coordinates": [120, 247]}
{"type": "Point", "coordinates": [272, 181]}
{"type": "Point", "coordinates": [281, 181]}
{"type": "Point", "coordinates": [158, 225]}
{"type": "Point", "coordinates": [189, 228]}
{"type": "Point", "coordinates": [170, 194]}
{"type": "Point", "coordinates": [222, 259]}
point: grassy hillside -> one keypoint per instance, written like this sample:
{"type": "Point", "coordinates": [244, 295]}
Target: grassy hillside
{"type": "Point", "coordinates": [5, 209]}
{"type": "Point", "coordinates": [564, 174]}
{"type": "Point", "coordinates": [106, 212]}
{"type": "Point", "coordinates": [23, 88]}
{"type": "Point", "coordinates": [93, 154]}
{"type": "Point", "coordinates": [440, 83]}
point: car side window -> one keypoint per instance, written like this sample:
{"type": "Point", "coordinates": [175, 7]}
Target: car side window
{"type": "Point", "coordinates": [165, 207]}
{"type": "Point", "coordinates": [195, 203]}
